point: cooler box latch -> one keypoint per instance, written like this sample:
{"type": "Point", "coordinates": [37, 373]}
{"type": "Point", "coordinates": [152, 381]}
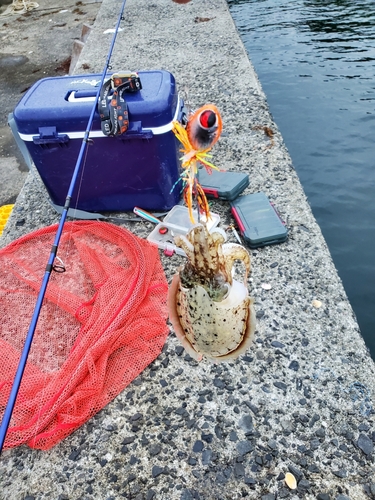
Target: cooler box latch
{"type": "Point", "coordinates": [49, 135]}
{"type": "Point", "coordinates": [135, 131]}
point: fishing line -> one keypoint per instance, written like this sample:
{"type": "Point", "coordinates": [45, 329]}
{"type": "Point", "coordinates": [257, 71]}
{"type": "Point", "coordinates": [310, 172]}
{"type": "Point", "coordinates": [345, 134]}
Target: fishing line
{"type": "Point", "coordinates": [49, 268]}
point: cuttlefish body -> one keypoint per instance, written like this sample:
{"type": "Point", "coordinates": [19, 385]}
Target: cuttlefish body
{"type": "Point", "coordinates": [211, 313]}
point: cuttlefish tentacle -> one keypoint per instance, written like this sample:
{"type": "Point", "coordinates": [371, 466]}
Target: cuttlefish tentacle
{"type": "Point", "coordinates": [233, 252]}
{"type": "Point", "coordinates": [204, 256]}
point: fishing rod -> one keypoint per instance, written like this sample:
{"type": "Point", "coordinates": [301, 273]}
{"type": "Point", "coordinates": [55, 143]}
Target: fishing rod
{"type": "Point", "coordinates": [50, 265]}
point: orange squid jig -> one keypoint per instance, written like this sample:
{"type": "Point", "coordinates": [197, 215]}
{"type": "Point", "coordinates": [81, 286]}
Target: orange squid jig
{"type": "Point", "coordinates": [202, 131]}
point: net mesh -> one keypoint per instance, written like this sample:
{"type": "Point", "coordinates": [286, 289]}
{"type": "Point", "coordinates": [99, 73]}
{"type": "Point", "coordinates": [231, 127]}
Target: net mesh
{"type": "Point", "coordinates": [102, 322]}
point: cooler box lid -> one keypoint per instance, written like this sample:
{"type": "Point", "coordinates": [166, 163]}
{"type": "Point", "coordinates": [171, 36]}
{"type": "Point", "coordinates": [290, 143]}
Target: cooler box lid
{"type": "Point", "coordinates": [66, 103]}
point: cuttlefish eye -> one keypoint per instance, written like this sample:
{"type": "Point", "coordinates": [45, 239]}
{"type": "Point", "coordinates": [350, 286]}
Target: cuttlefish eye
{"type": "Point", "coordinates": [207, 119]}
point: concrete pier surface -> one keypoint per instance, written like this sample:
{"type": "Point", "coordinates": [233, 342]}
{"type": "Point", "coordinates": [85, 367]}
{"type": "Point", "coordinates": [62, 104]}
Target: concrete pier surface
{"type": "Point", "coordinates": [34, 44]}
{"type": "Point", "coordinates": [302, 398]}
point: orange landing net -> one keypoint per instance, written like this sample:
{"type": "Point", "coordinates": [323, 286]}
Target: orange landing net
{"type": "Point", "coordinates": [102, 322]}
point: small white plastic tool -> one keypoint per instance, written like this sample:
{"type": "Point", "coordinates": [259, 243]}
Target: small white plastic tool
{"type": "Point", "coordinates": [176, 222]}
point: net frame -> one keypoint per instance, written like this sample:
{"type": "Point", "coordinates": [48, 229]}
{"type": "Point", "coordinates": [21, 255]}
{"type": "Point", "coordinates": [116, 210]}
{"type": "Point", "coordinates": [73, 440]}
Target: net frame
{"type": "Point", "coordinates": [102, 322]}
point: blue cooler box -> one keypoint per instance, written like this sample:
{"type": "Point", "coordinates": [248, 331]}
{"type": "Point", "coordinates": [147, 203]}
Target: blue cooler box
{"type": "Point", "coordinates": [137, 168]}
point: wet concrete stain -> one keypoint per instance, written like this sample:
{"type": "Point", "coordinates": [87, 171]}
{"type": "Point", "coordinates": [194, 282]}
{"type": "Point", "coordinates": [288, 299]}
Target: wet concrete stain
{"type": "Point", "coordinates": [9, 61]}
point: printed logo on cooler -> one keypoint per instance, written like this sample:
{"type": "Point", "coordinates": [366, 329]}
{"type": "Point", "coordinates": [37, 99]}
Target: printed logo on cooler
{"type": "Point", "coordinates": [94, 83]}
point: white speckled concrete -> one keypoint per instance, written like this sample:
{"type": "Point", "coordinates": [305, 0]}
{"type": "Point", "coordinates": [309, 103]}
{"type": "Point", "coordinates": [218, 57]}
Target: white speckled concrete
{"type": "Point", "coordinates": [302, 398]}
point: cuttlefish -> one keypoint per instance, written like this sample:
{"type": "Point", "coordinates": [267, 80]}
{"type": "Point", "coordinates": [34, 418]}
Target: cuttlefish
{"type": "Point", "coordinates": [211, 313]}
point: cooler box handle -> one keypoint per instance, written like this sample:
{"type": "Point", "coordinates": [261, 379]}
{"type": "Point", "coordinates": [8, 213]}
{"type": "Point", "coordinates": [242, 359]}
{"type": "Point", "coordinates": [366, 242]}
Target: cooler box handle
{"type": "Point", "coordinates": [87, 95]}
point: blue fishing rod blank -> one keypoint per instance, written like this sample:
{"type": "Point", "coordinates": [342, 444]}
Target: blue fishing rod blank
{"type": "Point", "coordinates": [50, 265]}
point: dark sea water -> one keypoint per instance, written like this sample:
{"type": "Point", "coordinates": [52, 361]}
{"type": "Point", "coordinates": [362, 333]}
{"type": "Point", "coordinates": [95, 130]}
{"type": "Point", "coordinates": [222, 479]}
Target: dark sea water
{"type": "Point", "coordinates": [316, 64]}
